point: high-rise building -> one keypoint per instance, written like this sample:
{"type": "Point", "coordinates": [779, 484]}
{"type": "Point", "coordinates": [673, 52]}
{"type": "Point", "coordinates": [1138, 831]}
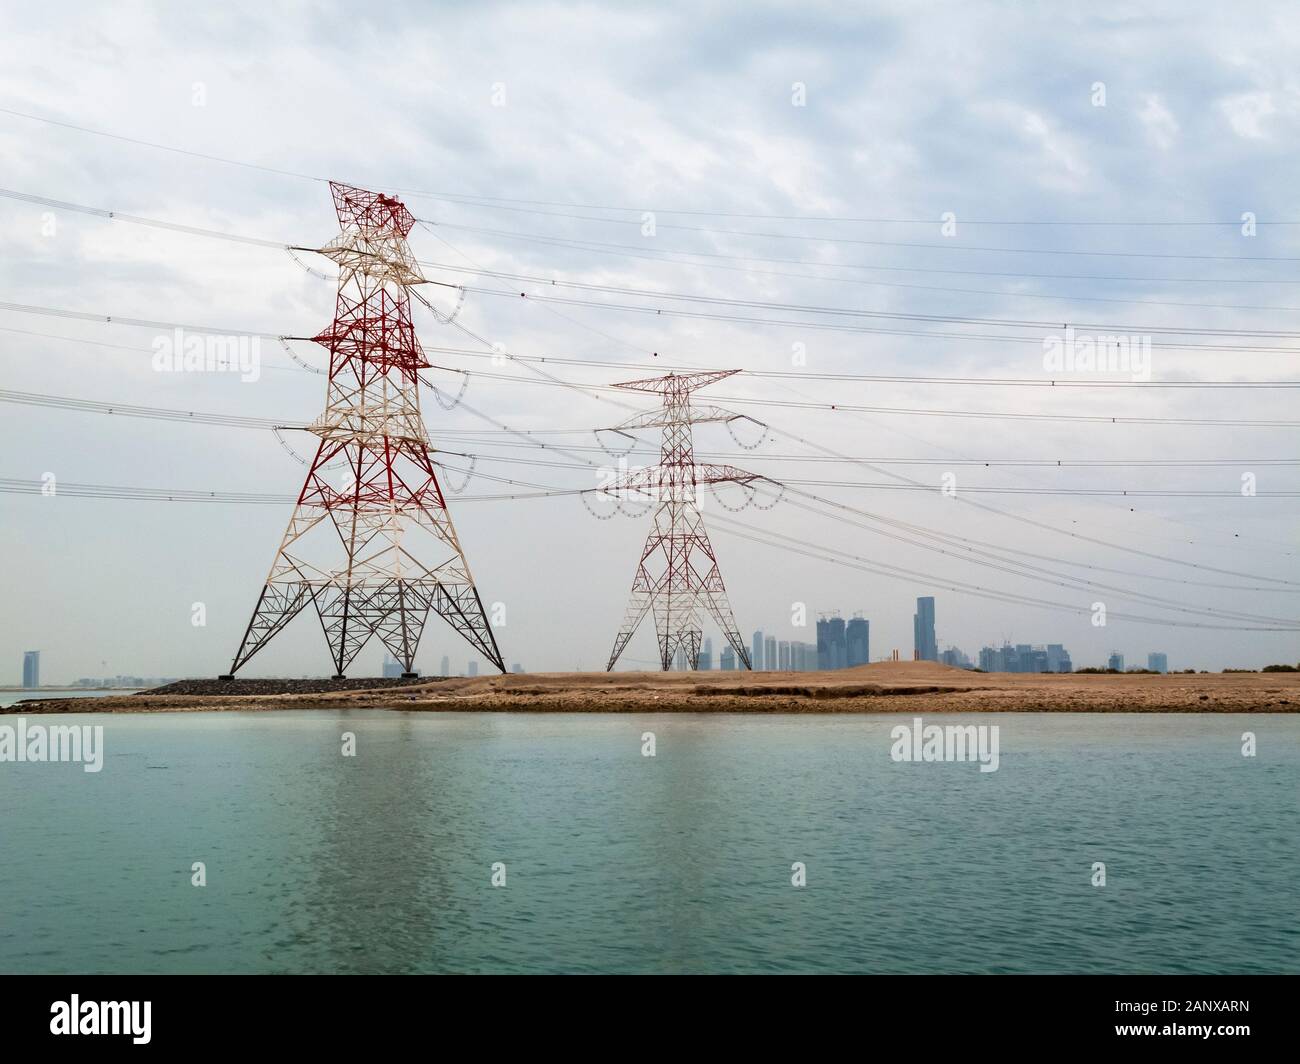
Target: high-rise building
{"type": "Point", "coordinates": [32, 668]}
{"type": "Point", "coordinates": [769, 652]}
{"type": "Point", "coordinates": [473, 669]}
{"type": "Point", "coordinates": [831, 650]}
{"type": "Point", "coordinates": [956, 658]}
{"type": "Point", "coordinates": [392, 667]}
{"type": "Point", "coordinates": [706, 656]}
{"type": "Point", "coordinates": [445, 668]}
{"type": "Point", "coordinates": [783, 656]}
{"type": "Point", "coordinates": [756, 654]}
{"type": "Point", "coordinates": [926, 647]}
{"type": "Point", "coordinates": [857, 638]}
{"type": "Point", "coordinates": [1157, 662]}
{"type": "Point", "coordinates": [1023, 658]}
{"type": "Point", "coordinates": [728, 659]}
{"type": "Point", "coordinates": [1115, 661]}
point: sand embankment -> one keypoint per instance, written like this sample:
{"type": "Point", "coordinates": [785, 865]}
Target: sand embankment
{"type": "Point", "coordinates": [885, 687]}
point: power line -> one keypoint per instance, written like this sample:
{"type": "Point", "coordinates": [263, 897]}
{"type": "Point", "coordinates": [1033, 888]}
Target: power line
{"type": "Point", "coordinates": [900, 378]}
{"type": "Point", "coordinates": [487, 200]}
{"type": "Point", "coordinates": [835, 327]}
{"type": "Point", "coordinates": [790, 545]}
{"type": "Point", "coordinates": [640, 251]}
{"type": "Point", "coordinates": [951, 246]}
{"type": "Point", "coordinates": [701, 299]}
{"type": "Point", "coordinates": [495, 202]}
{"type": "Point", "coordinates": [551, 380]}
{"type": "Point", "coordinates": [997, 558]}
{"type": "Point", "coordinates": [15, 486]}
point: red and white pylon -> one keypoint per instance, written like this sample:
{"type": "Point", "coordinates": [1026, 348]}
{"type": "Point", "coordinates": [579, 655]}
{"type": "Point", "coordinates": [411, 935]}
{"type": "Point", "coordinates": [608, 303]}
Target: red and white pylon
{"type": "Point", "coordinates": [373, 550]}
{"type": "Point", "coordinates": [678, 577]}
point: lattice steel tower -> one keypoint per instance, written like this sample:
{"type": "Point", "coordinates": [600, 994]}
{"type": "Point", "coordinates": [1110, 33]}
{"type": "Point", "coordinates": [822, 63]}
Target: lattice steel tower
{"type": "Point", "coordinates": [375, 550]}
{"type": "Point", "coordinates": [678, 575]}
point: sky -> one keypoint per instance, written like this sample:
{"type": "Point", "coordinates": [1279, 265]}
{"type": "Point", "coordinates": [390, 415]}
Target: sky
{"type": "Point", "coordinates": [917, 160]}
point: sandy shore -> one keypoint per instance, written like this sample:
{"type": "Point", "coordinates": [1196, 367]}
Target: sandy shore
{"type": "Point", "coordinates": [885, 687]}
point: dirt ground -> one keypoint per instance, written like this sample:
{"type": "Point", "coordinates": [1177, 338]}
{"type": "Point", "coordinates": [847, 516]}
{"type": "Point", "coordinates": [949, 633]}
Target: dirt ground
{"type": "Point", "coordinates": [884, 687]}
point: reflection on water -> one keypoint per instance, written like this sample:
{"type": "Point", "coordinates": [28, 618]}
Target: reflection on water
{"type": "Point", "coordinates": [681, 862]}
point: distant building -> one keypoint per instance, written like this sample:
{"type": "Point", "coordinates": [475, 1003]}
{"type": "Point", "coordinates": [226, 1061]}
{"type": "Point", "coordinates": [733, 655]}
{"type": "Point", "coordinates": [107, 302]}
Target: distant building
{"type": "Point", "coordinates": [923, 641]}
{"type": "Point", "coordinates": [516, 668]}
{"type": "Point", "coordinates": [857, 639]}
{"type": "Point", "coordinates": [756, 654]}
{"type": "Point", "coordinates": [1025, 658]}
{"type": "Point", "coordinates": [706, 656]}
{"type": "Point", "coordinates": [32, 668]}
{"type": "Point", "coordinates": [728, 660]}
{"type": "Point", "coordinates": [392, 668]}
{"type": "Point", "coordinates": [783, 656]}
{"type": "Point", "coordinates": [956, 658]}
{"type": "Point", "coordinates": [1115, 661]}
{"type": "Point", "coordinates": [832, 652]}
{"type": "Point", "coordinates": [769, 653]}
{"type": "Point", "coordinates": [1058, 658]}
{"type": "Point", "coordinates": [473, 669]}
{"type": "Point", "coordinates": [445, 668]}
{"type": "Point", "coordinates": [1157, 662]}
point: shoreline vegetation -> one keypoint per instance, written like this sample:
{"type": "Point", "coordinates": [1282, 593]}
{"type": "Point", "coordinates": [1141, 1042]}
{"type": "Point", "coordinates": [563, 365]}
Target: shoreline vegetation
{"type": "Point", "coordinates": [883, 687]}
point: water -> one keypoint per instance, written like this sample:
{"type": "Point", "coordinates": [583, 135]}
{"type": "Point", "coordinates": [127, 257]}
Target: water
{"type": "Point", "coordinates": [677, 863]}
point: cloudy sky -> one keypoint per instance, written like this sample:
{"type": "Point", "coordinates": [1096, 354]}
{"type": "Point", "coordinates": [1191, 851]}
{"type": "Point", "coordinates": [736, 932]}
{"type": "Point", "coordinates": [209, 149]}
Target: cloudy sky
{"type": "Point", "coordinates": [783, 156]}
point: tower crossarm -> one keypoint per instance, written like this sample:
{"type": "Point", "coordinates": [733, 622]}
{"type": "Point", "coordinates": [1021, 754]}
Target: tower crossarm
{"type": "Point", "coordinates": [695, 415]}
{"type": "Point", "coordinates": [656, 478]}
{"type": "Point", "coordinates": [678, 383]}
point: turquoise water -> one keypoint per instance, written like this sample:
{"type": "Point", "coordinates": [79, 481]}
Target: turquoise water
{"type": "Point", "coordinates": [676, 863]}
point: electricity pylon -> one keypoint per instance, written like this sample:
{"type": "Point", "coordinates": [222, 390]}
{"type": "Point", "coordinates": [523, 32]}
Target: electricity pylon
{"type": "Point", "coordinates": [678, 576]}
{"type": "Point", "coordinates": [375, 552]}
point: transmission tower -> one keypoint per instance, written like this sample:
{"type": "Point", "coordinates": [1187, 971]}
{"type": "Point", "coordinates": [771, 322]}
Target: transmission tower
{"type": "Point", "coordinates": [375, 550]}
{"type": "Point", "coordinates": [678, 575]}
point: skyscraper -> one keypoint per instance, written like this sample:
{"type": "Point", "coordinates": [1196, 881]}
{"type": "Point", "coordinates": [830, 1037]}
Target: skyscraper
{"type": "Point", "coordinates": [831, 650]}
{"type": "Point", "coordinates": [728, 659]}
{"type": "Point", "coordinates": [32, 668]}
{"type": "Point", "coordinates": [927, 648]}
{"type": "Point", "coordinates": [1157, 662]}
{"type": "Point", "coordinates": [769, 652]}
{"type": "Point", "coordinates": [392, 667]}
{"type": "Point", "coordinates": [706, 656]}
{"type": "Point", "coordinates": [857, 637]}
{"type": "Point", "coordinates": [445, 668]}
{"type": "Point", "coordinates": [757, 652]}
{"type": "Point", "coordinates": [473, 669]}
{"type": "Point", "coordinates": [1115, 661]}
